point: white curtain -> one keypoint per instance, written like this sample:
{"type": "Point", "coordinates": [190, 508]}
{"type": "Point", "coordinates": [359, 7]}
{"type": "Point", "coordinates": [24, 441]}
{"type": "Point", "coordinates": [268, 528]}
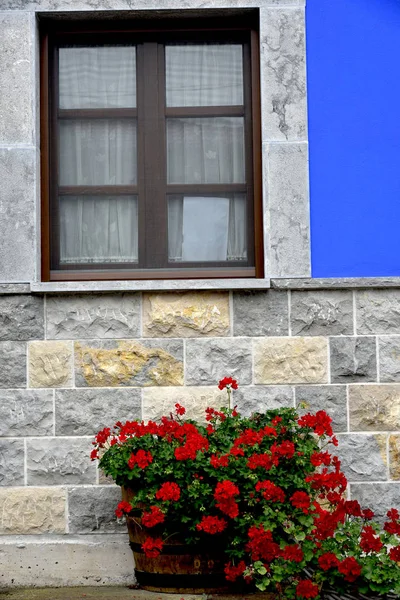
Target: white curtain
{"type": "Point", "coordinates": [97, 229]}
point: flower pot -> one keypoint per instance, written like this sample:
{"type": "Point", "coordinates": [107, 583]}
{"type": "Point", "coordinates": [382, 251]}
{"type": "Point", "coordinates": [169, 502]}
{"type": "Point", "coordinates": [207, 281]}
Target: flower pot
{"type": "Point", "coordinates": [179, 568]}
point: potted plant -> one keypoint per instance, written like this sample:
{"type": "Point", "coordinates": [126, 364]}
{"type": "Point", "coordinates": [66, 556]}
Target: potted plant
{"type": "Point", "coordinates": [258, 500]}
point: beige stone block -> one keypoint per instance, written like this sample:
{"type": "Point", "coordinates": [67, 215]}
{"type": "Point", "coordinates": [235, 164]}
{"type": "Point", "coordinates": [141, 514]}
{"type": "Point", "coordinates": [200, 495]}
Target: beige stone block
{"type": "Point", "coordinates": [50, 364]}
{"type": "Point", "coordinates": [394, 456]}
{"type": "Point", "coordinates": [291, 360]}
{"type": "Point", "coordinates": [374, 407]}
{"type": "Point", "coordinates": [158, 402]}
{"type": "Point", "coordinates": [129, 363]}
{"type": "Point", "coordinates": [32, 510]}
{"type": "Point", "coordinates": [193, 314]}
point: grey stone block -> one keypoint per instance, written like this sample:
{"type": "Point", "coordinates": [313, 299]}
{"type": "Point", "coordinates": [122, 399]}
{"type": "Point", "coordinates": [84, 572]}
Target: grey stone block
{"type": "Point", "coordinates": [26, 412]}
{"type": "Point", "coordinates": [208, 361]}
{"type": "Point", "coordinates": [363, 457]}
{"type": "Point", "coordinates": [389, 359]}
{"type": "Point", "coordinates": [331, 398]}
{"type": "Point", "coordinates": [92, 510]}
{"type": "Point", "coordinates": [353, 359]}
{"type": "Point", "coordinates": [122, 363]}
{"type": "Point", "coordinates": [15, 288]}
{"type": "Point", "coordinates": [92, 5]}
{"type": "Point", "coordinates": [287, 230]}
{"type": "Point", "coordinates": [93, 316]}
{"type": "Point", "coordinates": [11, 462]}
{"type": "Point", "coordinates": [322, 313]}
{"type": "Point", "coordinates": [60, 461]}
{"type": "Point", "coordinates": [260, 313]}
{"type": "Point", "coordinates": [334, 283]}
{"type": "Point", "coordinates": [378, 311]}
{"type": "Point", "coordinates": [17, 214]}
{"type": "Point", "coordinates": [283, 75]}
{"type": "Point", "coordinates": [16, 89]}
{"type": "Point", "coordinates": [86, 411]}
{"type": "Point", "coordinates": [12, 364]}
{"type": "Point", "coordinates": [380, 497]}
{"type": "Point", "coordinates": [21, 318]}
{"type": "Point", "coordinates": [262, 398]}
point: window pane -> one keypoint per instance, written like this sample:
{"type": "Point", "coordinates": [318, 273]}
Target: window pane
{"type": "Point", "coordinates": [97, 77]}
{"type": "Point", "coordinates": [205, 150]}
{"type": "Point", "coordinates": [98, 229]}
{"type": "Point", "coordinates": [204, 75]}
{"type": "Point", "coordinates": [203, 228]}
{"type": "Point", "coordinates": [98, 152]}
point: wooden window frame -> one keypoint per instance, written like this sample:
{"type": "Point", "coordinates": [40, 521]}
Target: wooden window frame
{"type": "Point", "coordinates": [152, 192]}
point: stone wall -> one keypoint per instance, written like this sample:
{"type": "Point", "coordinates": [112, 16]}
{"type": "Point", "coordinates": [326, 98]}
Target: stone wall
{"type": "Point", "coordinates": [72, 364]}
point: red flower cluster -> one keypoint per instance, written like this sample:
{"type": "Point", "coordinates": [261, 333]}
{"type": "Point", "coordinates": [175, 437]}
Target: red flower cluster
{"type": "Point", "coordinates": [320, 423]}
{"type": "Point", "coordinates": [194, 443]}
{"type": "Point", "coordinates": [232, 572]}
{"type": "Point", "coordinates": [350, 568]}
{"type": "Point", "coordinates": [261, 544]}
{"type": "Point", "coordinates": [353, 508]}
{"type": "Point", "coordinates": [264, 461]}
{"type": "Point", "coordinates": [142, 459]}
{"type": "Point", "coordinates": [180, 410]}
{"type": "Point", "coordinates": [306, 589]}
{"type": "Point", "coordinates": [94, 454]}
{"type": "Point", "coordinates": [153, 518]}
{"type": "Point", "coordinates": [152, 547]}
{"type": "Point", "coordinates": [394, 553]}
{"type": "Point", "coordinates": [169, 491]}
{"type": "Point", "coordinates": [286, 449]}
{"type": "Point", "coordinates": [369, 542]}
{"type": "Point", "coordinates": [328, 561]}
{"type": "Point", "coordinates": [219, 461]}
{"type": "Point", "coordinates": [326, 522]}
{"type": "Point", "coordinates": [392, 526]}
{"type": "Point", "coordinates": [211, 525]}
{"type": "Point", "coordinates": [224, 494]}
{"type": "Point", "coordinates": [212, 414]}
{"type": "Point", "coordinates": [301, 500]}
{"type": "Point", "coordinates": [122, 509]}
{"type": "Point", "coordinates": [293, 553]}
{"type": "Point", "coordinates": [103, 436]}
{"type": "Point", "coordinates": [320, 458]}
{"type": "Point", "coordinates": [228, 381]}
{"type": "Point", "coordinates": [270, 491]}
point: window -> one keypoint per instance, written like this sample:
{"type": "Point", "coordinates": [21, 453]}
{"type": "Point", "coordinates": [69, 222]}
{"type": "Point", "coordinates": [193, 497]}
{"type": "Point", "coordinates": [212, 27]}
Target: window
{"type": "Point", "coordinates": [151, 151]}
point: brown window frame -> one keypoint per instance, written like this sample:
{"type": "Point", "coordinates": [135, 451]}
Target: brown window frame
{"type": "Point", "coordinates": [150, 40]}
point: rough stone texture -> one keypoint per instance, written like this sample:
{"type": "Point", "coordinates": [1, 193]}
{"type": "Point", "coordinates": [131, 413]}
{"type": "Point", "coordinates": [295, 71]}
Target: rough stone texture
{"type": "Point", "coordinates": [374, 407]}
{"type": "Point", "coordinates": [186, 315]}
{"type": "Point", "coordinates": [363, 457]}
{"type": "Point", "coordinates": [378, 311]}
{"type": "Point", "coordinates": [32, 510]}
{"type": "Point", "coordinates": [158, 402]}
{"type": "Point", "coordinates": [260, 398]}
{"type": "Point", "coordinates": [353, 359]}
{"type": "Point", "coordinates": [50, 364]}
{"type": "Point", "coordinates": [389, 359]}
{"type": "Point", "coordinates": [60, 461]}
{"type": "Point", "coordinates": [208, 361]}
{"type": "Point", "coordinates": [287, 220]}
{"type": "Point", "coordinates": [17, 211]}
{"type": "Point", "coordinates": [394, 456]}
{"type": "Point", "coordinates": [380, 497]}
{"type": "Point", "coordinates": [12, 364]}
{"type": "Point", "coordinates": [26, 412]}
{"type": "Point", "coordinates": [332, 283]}
{"type": "Point", "coordinates": [92, 510]}
{"type": "Point", "coordinates": [322, 313]}
{"type": "Point", "coordinates": [16, 91]}
{"type": "Point", "coordinates": [64, 561]}
{"type": "Point", "coordinates": [332, 398]}
{"type": "Point", "coordinates": [86, 411]}
{"type": "Point", "coordinates": [93, 316]}
{"type": "Point", "coordinates": [90, 5]}
{"type": "Point", "coordinates": [21, 318]}
{"type": "Point", "coordinates": [129, 363]}
{"type": "Point", "coordinates": [260, 313]}
{"type": "Point", "coordinates": [290, 360]}
{"type": "Point", "coordinates": [11, 462]}
{"type": "Point", "coordinates": [283, 75]}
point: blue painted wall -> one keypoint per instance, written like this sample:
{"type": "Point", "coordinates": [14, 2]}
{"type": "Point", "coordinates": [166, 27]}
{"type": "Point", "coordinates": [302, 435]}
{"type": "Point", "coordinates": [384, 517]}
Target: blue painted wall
{"type": "Point", "coordinates": [353, 54]}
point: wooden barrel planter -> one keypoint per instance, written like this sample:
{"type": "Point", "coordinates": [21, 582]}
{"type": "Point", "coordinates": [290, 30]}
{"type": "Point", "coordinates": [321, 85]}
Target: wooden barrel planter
{"type": "Point", "coordinates": [179, 568]}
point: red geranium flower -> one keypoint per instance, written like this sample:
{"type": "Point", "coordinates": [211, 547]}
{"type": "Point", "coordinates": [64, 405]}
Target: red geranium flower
{"type": "Point", "coordinates": [225, 492]}
{"type": "Point", "coordinates": [261, 544]}
{"type": "Point", "coordinates": [293, 553]}
{"type": "Point", "coordinates": [368, 514]}
{"type": "Point", "coordinates": [270, 491]}
{"type": "Point", "coordinates": [94, 454]}
{"type": "Point", "coordinates": [122, 509]}
{"type": "Point", "coordinates": [142, 459]}
{"type": "Point", "coordinates": [394, 553]}
{"type": "Point", "coordinates": [393, 514]}
{"type": "Point", "coordinates": [369, 542]}
{"type": "Point", "coordinates": [152, 547]}
{"type": "Point", "coordinates": [306, 589]}
{"type": "Point", "coordinates": [169, 491]}
{"type": "Point", "coordinates": [328, 561]}
{"type": "Point", "coordinates": [180, 410]}
{"type": "Point", "coordinates": [232, 572]}
{"type": "Point", "coordinates": [219, 461]}
{"type": "Point", "coordinates": [301, 500]}
{"type": "Point", "coordinates": [228, 381]}
{"type": "Point", "coordinates": [350, 568]}
{"type": "Point", "coordinates": [211, 525]}
{"type": "Point", "coordinates": [152, 518]}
